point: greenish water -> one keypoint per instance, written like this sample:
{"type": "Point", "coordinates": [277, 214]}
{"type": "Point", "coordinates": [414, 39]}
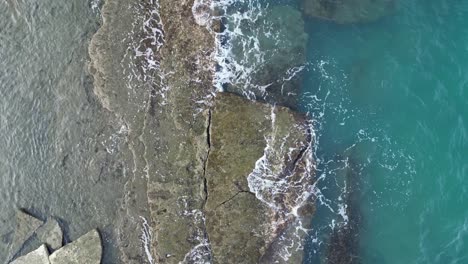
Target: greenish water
{"type": "Point", "coordinates": [392, 96]}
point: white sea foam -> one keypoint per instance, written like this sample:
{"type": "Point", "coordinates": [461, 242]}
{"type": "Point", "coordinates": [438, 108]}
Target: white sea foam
{"type": "Point", "coordinates": [146, 237]}
{"type": "Point", "coordinates": [96, 6]}
{"type": "Point", "coordinates": [142, 63]}
{"type": "Point", "coordinates": [238, 50]}
{"type": "Point", "coordinates": [202, 12]}
{"type": "Point", "coordinates": [201, 252]}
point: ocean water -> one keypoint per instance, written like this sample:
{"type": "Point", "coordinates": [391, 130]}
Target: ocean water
{"type": "Point", "coordinates": [391, 101]}
{"type": "Point", "coordinates": [388, 100]}
{"type": "Point", "coordinates": [59, 148]}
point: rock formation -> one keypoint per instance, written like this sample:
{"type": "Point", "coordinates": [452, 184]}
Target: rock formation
{"type": "Point", "coordinates": [38, 256]}
{"type": "Point", "coordinates": [180, 141]}
{"type": "Point", "coordinates": [26, 225]}
{"type": "Point", "coordinates": [51, 234]}
{"type": "Point", "coordinates": [349, 11]}
{"type": "Point", "coordinates": [86, 249]}
{"type": "Point", "coordinates": [248, 208]}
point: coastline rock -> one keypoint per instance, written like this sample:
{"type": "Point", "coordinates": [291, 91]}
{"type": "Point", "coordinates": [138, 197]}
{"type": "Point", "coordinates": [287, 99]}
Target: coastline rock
{"type": "Point", "coordinates": [274, 74]}
{"type": "Point", "coordinates": [86, 249]}
{"type": "Point", "coordinates": [349, 11]}
{"type": "Point", "coordinates": [174, 133]}
{"type": "Point", "coordinates": [38, 256]}
{"type": "Point", "coordinates": [243, 221]}
{"type": "Point", "coordinates": [177, 138]}
{"type": "Point", "coordinates": [51, 234]}
{"type": "Point", "coordinates": [26, 225]}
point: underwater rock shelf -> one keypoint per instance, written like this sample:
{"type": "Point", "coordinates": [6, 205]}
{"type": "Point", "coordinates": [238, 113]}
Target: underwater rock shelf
{"type": "Point", "coordinates": [349, 11]}
{"type": "Point", "coordinates": [86, 249]}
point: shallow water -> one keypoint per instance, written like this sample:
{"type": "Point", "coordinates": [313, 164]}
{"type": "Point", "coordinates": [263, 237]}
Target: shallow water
{"type": "Point", "coordinates": [394, 94]}
{"type": "Point", "coordinates": [56, 144]}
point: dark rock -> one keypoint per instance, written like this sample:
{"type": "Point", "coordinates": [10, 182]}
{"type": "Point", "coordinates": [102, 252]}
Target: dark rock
{"type": "Point", "coordinates": [343, 247]}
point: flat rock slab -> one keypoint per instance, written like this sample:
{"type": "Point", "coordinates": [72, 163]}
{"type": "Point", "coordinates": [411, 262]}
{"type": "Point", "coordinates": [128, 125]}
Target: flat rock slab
{"type": "Point", "coordinates": [239, 221]}
{"type": "Point", "coordinates": [38, 256]}
{"type": "Point", "coordinates": [26, 225]}
{"type": "Point", "coordinates": [86, 249]}
{"type": "Point", "coordinates": [51, 234]}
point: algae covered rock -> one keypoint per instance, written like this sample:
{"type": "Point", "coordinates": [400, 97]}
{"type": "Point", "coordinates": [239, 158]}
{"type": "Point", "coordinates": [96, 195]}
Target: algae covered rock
{"type": "Point", "coordinates": [245, 216]}
{"type": "Point", "coordinates": [349, 11]}
{"type": "Point", "coordinates": [86, 249]}
{"type": "Point", "coordinates": [38, 256]}
{"type": "Point", "coordinates": [272, 52]}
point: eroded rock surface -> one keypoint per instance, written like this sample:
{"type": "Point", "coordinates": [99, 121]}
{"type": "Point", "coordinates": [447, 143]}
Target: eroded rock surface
{"type": "Point", "coordinates": [38, 256]}
{"type": "Point", "coordinates": [86, 249]}
{"type": "Point", "coordinates": [349, 11]}
{"type": "Point", "coordinates": [26, 225]}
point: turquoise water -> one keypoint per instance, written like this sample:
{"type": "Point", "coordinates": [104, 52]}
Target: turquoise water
{"type": "Point", "coordinates": [392, 96]}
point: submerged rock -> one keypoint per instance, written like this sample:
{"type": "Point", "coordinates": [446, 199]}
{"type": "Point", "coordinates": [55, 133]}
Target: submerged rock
{"type": "Point", "coordinates": [272, 52]}
{"type": "Point", "coordinates": [38, 256]}
{"type": "Point", "coordinates": [26, 225]}
{"type": "Point", "coordinates": [86, 249]}
{"type": "Point", "coordinates": [245, 216]}
{"type": "Point", "coordinates": [51, 234]}
{"type": "Point", "coordinates": [343, 246]}
{"type": "Point", "coordinates": [349, 11]}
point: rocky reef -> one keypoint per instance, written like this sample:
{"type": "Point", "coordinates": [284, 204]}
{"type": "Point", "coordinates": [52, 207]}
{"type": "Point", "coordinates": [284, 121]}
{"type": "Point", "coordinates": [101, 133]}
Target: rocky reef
{"type": "Point", "coordinates": [349, 11]}
{"type": "Point", "coordinates": [199, 158]}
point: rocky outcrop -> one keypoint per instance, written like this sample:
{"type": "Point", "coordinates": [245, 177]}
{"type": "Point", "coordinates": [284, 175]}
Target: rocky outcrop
{"type": "Point", "coordinates": [247, 208]}
{"type": "Point", "coordinates": [273, 65]}
{"type": "Point", "coordinates": [38, 256]}
{"type": "Point", "coordinates": [86, 249]}
{"type": "Point", "coordinates": [201, 206]}
{"type": "Point", "coordinates": [349, 11]}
